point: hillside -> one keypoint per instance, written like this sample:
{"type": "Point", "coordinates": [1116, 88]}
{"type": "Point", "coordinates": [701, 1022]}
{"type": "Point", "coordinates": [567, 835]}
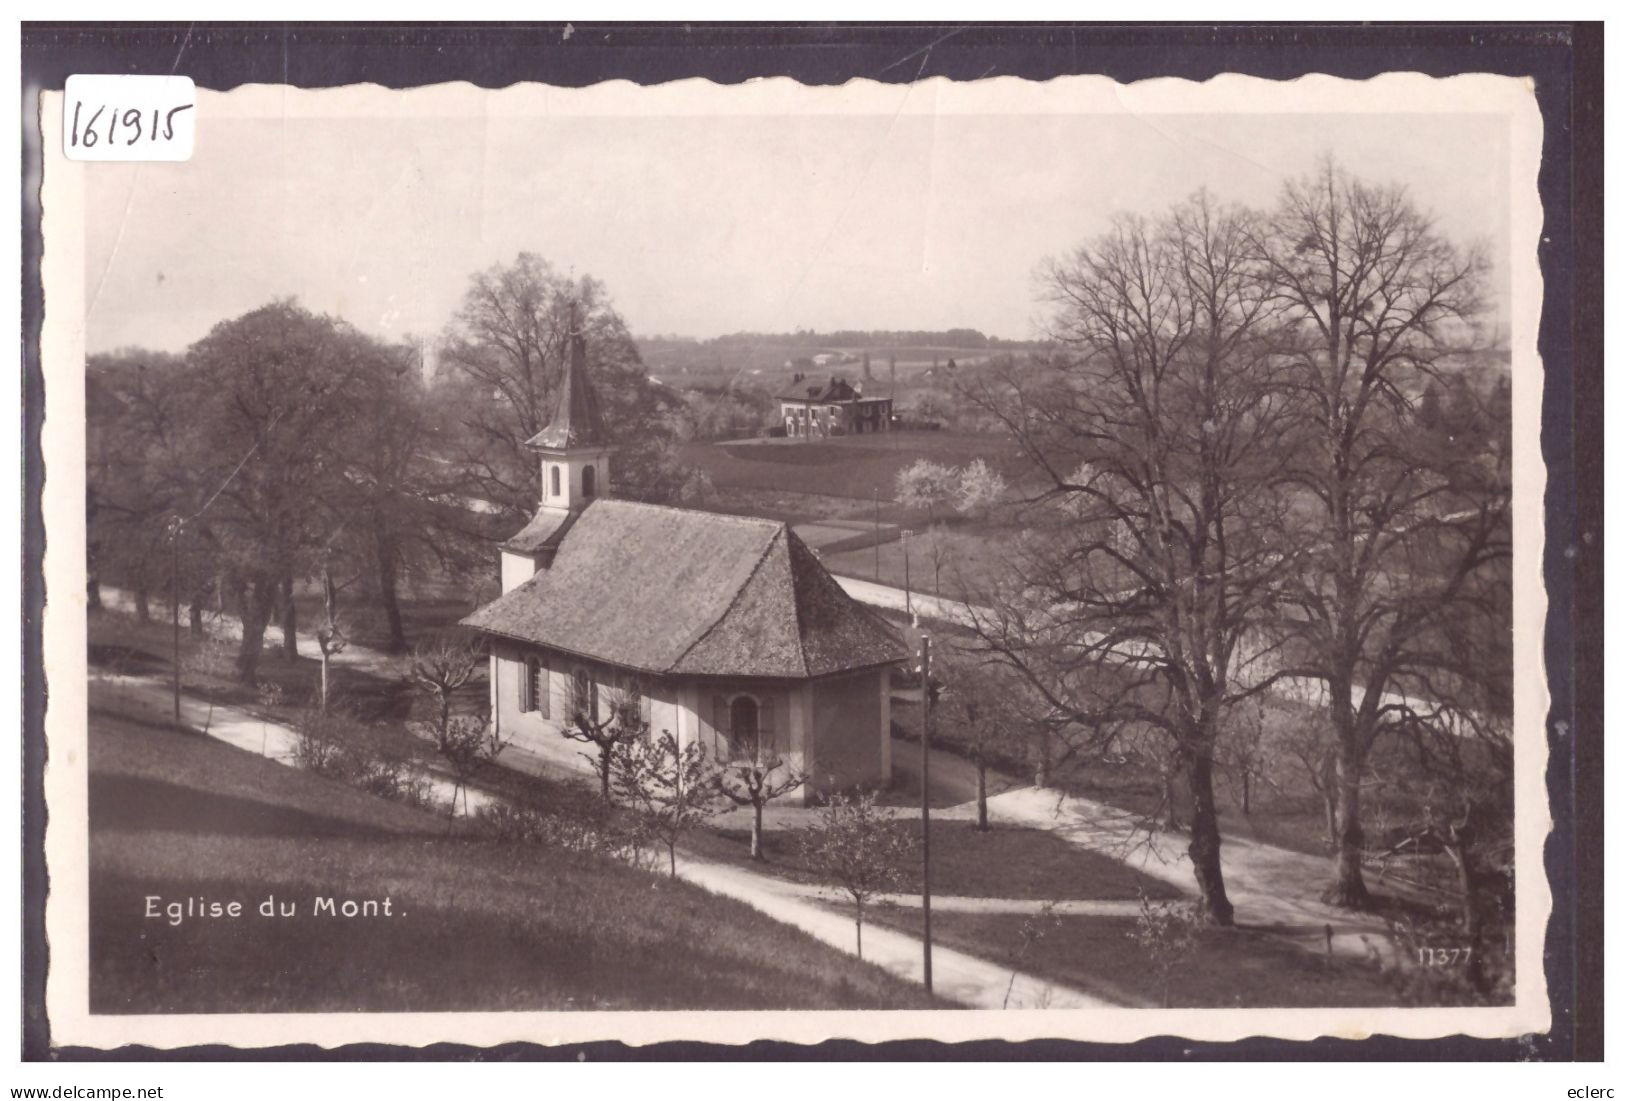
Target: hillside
{"type": "Point", "coordinates": [471, 924]}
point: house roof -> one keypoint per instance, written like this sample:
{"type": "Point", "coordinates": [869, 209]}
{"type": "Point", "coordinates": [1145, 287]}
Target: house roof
{"type": "Point", "coordinates": [577, 420]}
{"type": "Point", "coordinates": [837, 389]}
{"type": "Point", "coordinates": [679, 592]}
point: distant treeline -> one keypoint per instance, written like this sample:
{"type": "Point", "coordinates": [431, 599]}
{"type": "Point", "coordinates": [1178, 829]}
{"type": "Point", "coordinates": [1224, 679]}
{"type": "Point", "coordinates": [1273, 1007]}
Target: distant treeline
{"type": "Point", "coordinates": [859, 338]}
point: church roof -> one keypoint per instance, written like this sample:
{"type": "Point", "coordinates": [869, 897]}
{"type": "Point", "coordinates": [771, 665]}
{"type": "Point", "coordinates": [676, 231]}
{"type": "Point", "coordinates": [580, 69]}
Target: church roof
{"type": "Point", "coordinates": [577, 420]}
{"type": "Point", "coordinates": [679, 592]}
{"type": "Point", "coordinates": [545, 529]}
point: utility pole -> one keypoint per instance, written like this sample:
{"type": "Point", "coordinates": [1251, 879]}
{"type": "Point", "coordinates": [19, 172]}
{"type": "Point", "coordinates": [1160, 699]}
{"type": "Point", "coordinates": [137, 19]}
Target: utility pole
{"type": "Point", "coordinates": [908, 591]}
{"type": "Point", "coordinates": [877, 535]}
{"type": "Point", "coordinates": [925, 798]}
{"type": "Point", "coordinates": [175, 611]}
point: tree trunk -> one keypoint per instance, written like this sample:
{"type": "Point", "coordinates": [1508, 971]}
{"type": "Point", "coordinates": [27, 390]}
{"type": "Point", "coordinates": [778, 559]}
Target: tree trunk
{"type": "Point", "coordinates": [671, 851]}
{"type": "Point", "coordinates": [1471, 926]}
{"type": "Point", "coordinates": [1348, 888]}
{"type": "Point", "coordinates": [1170, 796]}
{"type": "Point", "coordinates": [388, 579]}
{"type": "Point", "coordinates": [1246, 794]}
{"type": "Point", "coordinates": [290, 621]}
{"type": "Point", "coordinates": [603, 772]}
{"type": "Point", "coordinates": [860, 930]}
{"type": "Point", "coordinates": [756, 833]}
{"type": "Point", "coordinates": [1204, 846]}
{"type": "Point", "coordinates": [93, 592]}
{"type": "Point", "coordinates": [258, 601]}
{"type": "Point", "coordinates": [194, 614]}
{"type": "Point", "coordinates": [981, 796]}
{"type": "Point", "coordinates": [1328, 795]}
{"type": "Point", "coordinates": [141, 611]}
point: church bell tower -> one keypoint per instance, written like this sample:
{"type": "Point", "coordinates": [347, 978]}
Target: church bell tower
{"type": "Point", "coordinates": [574, 451]}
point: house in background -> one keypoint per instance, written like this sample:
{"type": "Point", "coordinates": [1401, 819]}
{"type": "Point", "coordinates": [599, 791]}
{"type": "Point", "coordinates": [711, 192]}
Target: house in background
{"type": "Point", "coordinates": [726, 629]}
{"type": "Point", "coordinates": [837, 409]}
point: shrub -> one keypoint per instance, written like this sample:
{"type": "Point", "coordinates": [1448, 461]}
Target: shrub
{"type": "Point", "coordinates": [342, 747]}
{"type": "Point", "coordinates": [507, 823]}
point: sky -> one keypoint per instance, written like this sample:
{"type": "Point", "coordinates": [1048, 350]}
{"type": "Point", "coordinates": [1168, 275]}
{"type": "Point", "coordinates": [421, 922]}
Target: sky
{"type": "Point", "coordinates": [704, 225]}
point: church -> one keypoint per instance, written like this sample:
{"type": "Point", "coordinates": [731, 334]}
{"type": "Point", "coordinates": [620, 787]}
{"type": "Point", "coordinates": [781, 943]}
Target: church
{"type": "Point", "coordinates": [727, 630]}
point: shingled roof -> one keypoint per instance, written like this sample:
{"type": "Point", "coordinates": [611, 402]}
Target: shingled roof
{"type": "Point", "coordinates": [678, 592]}
{"type": "Point", "coordinates": [577, 421]}
{"type": "Point", "coordinates": [837, 390]}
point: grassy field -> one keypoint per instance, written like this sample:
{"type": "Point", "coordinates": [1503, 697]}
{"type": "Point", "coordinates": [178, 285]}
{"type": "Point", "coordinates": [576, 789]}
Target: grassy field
{"type": "Point", "coordinates": [1005, 862]}
{"type": "Point", "coordinates": [1229, 968]}
{"type": "Point", "coordinates": [852, 467]}
{"type": "Point", "coordinates": [473, 924]}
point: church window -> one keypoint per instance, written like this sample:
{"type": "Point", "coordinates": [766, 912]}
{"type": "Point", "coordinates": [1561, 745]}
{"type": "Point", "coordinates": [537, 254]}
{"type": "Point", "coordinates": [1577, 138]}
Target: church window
{"type": "Point", "coordinates": [555, 486]}
{"type": "Point", "coordinates": [589, 479]}
{"type": "Point", "coordinates": [535, 689]}
{"type": "Point", "coordinates": [583, 695]}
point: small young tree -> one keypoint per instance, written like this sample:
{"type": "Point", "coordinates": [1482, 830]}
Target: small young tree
{"type": "Point", "coordinates": [1166, 933]}
{"type": "Point", "coordinates": [468, 743]}
{"type": "Point", "coordinates": [439, 668]}
{"type": "Point", "coordinates": [754, 781]}
{"type": "Point", "coordinates": [857, 848]}
{"type": "Point", "coordinates": [979, 710]}
{"type": "Point", "coordinates": [1034, 928]}
{"type": "Point", "coordinates": [672, 788]}
{"type": "Point", "coordinates": [605, 724]}
{"type": "Point", "coordinates": [1244, 756]}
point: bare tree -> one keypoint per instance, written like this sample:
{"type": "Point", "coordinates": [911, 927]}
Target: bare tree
{"type": "Point", "coordinates": [508, 345]}
{"type": "Point", "coordinates": [981, 710]}
{"type": "Point", "coordinates": [604, 720]}
{"type": "Point", "coordinates": [756, 777]}
{"type": "Point", "coordinates": [671, 788]}
{"type": "Point", "coordinates": [1136, 597]}
{"type": "Point", "coordinates": [857, 848]}
{"type": "Point", "coordinates": [1375, 302]}
{"type": "Point", "coordinates": [442, 666]}
{"type": "Point", "coordinates": [468, 743]}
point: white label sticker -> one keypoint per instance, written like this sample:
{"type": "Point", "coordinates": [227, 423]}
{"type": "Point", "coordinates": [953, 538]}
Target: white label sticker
{"type": "Point", "coordinates": [129, 118]}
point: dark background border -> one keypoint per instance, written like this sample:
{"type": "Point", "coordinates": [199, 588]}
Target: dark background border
{"type": "Point", "coordinates": [1565, 62]}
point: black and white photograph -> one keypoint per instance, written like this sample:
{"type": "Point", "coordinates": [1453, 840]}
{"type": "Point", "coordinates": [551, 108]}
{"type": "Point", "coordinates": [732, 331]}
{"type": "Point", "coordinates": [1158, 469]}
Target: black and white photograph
{"type": "Point", "coordinates": [995, 559]}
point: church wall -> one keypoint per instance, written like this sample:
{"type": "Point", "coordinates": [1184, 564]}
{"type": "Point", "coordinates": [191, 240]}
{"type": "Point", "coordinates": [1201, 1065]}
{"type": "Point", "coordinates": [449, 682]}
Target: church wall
{"type": "Point", "coordinates": [836, 729]}
{"type": "Point", "coordinates": [516, 570]}
{"type": "Point", "coordinates": [539, 733]}
{"type": "Point", "coordinates": [849, 734]}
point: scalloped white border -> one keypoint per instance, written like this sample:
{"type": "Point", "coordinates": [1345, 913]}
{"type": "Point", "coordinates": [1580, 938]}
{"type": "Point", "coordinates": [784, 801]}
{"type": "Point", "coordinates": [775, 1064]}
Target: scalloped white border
{"type": "Point", "coordinates": [67, 916]}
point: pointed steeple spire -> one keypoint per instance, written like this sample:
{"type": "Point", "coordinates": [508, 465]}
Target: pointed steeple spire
{"type": "Point", "coordinates": [577, 420]}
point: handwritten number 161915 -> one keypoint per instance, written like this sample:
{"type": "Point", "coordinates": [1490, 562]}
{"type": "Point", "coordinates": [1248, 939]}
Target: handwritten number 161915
{"type": "Point", "coordinates": [132, 119]}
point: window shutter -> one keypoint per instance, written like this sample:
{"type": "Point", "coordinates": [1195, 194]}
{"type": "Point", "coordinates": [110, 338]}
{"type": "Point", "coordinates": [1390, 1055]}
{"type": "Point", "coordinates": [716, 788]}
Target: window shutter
{"type": "Point", "coordinates": [544, 689]}
{"type": "Point", "coordinates": [719, 724]}
{"type": "Point", "coordinates": [525, 702]}
{"type": "Point", "coordinates": [764, 725]}
{"type": "Point", "coordinates": [646, 706]}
